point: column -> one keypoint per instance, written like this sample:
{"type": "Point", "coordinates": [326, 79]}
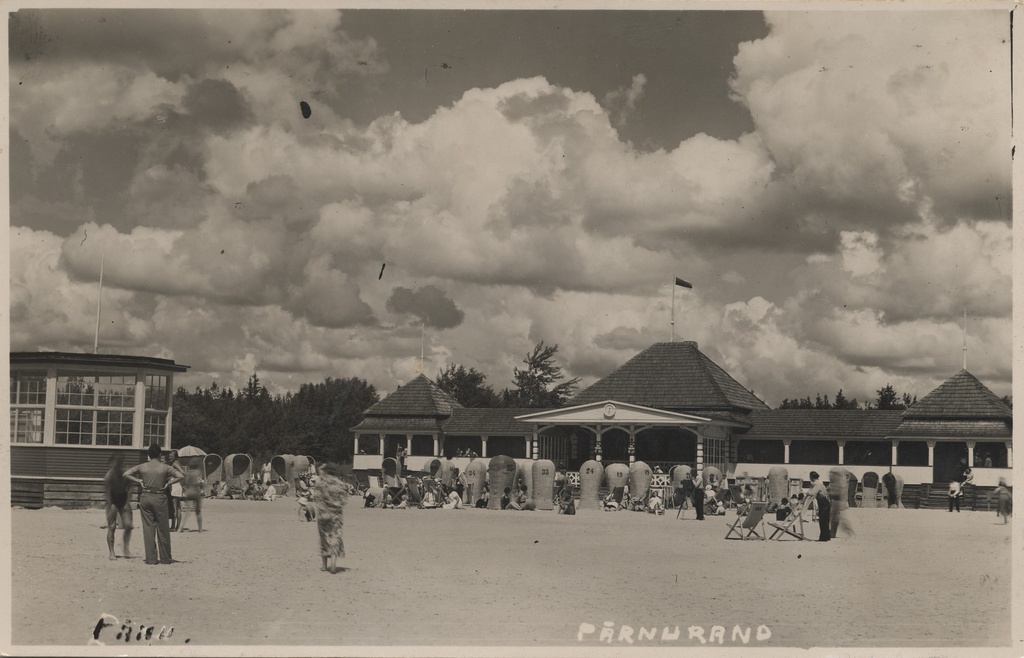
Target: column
{"type": "Point", "coordinates": [529, 445]}
{"type": "Point", "coordinates": [408, 444]}
{"type": "Point", "coordinates": [483, 445]}
{"type": "Point", "coordinates": [895, 444]}
{"type": "Point", "coordinates": [166, 440]}
{"type": "Point", "coordinates": [842, 444]}
{"type": "Point", "coordinates": [139, 417]}
{"type": "Point", "coordinates": [632, 444]}
{"type": "Point", "coordinates": [1009, 454]}
{"type": "Point", "coordinates": [700, 452]}
{"type": "Point", "coordinates": [381, 437]}
{"type": "Point", "coordinates": [785, 450]}
{"type": "Point", "coordinates": [931, 453]}
{"type": "Point", "coordinates": [50, 414]}
{"type": "Point", "coordinates": [355, 446]}
{"type": "Point", "coordinates": [437, 447]}
{"type": "Point", "coordinates": [536, 446]}
{"type": "Point", "coordinates": [597, 444]}
{"type": "Point", "coordinates": [970, 453]}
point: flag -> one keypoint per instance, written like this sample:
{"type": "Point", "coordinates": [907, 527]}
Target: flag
{"type": "Point", "coordinates": [685, 284]}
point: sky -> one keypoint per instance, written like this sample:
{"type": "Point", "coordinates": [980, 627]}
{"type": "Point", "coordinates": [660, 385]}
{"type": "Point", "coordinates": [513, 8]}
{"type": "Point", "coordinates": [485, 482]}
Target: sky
{"type": "Point", "coordinates": [836, 185]}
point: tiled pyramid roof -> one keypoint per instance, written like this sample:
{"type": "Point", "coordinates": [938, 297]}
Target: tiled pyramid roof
{"type": "Point", "coordinates": [961, 396]}
{"type": "Point", "coordinates": [420, 397]}
{"type": "Point", "coordinates": [822, 423]}
{"type": "Point", "coordinates": [672, 376]}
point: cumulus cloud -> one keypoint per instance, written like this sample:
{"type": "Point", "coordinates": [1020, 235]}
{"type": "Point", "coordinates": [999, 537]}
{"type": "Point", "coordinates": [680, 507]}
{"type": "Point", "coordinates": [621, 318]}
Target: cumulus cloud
{"type": "Point", "coordinates": [622, 101]}
{"type": "Point", "coordinates": [834, 244]}
{"type": "Point", "coordinates": [429, 304]}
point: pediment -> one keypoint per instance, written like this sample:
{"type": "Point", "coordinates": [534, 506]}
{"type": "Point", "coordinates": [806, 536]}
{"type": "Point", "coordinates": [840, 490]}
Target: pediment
{"type": "Point", "coordinates": [611, 412]}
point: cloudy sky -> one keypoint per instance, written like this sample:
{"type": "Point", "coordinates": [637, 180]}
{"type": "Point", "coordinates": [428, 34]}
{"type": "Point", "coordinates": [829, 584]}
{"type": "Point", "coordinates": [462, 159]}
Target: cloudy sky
{"type": "Point", "coordinates": [836, 186]}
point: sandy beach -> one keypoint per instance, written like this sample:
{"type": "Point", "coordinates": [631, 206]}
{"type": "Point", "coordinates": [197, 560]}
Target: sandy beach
{"type": "Point", "coordinates": [489, 578]}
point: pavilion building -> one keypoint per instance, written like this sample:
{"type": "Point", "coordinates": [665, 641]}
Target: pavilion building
{"type": "Point", "coordinates": [71, 412]}
{"type": "Point", "coordinates": [671, 404]}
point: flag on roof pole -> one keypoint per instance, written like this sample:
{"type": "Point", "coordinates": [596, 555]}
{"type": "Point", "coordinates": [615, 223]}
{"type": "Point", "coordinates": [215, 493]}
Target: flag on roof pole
{"type": "Point", "coordinates": [685, 284]}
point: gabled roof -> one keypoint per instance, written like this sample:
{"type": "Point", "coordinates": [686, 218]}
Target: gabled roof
{"type": "Point", "coordinates": [420, 397]}
{"type": "Point", "coordinates": [822, 423]}
{"type": "Point", "coordinates": [674, 376]}
{"type": "Point", "coordinates": [399, 425]}
{"type": "Point", "coordinates": [961, 396]}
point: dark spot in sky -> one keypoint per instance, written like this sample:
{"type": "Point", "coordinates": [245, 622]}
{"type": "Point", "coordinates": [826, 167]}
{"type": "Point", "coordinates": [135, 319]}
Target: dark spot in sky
{"type": "Point", "coordinates": [362, 63]}
{"type": "Point", "coordinates": [799, 556]}
{"type": "Point", "coordinates": [306, 112]}
{"type": "Point", "coordinates": [222, 251]}
{"type": "Point", "coordinates": [381, 271]}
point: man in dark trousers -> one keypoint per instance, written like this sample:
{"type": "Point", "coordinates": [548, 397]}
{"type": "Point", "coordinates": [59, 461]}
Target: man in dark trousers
{"type": "Point", "coordinates": [698, 494]}
{"type": "Point", "coordinates": [820, 496]}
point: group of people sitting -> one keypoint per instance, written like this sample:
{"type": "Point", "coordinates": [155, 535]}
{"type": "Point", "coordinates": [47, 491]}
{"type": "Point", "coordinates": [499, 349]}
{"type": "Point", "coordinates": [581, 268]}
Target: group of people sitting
{"type": "Point", "coordinates": [431, 494]}
{"type": "Point", "coordinates": [651, 502]}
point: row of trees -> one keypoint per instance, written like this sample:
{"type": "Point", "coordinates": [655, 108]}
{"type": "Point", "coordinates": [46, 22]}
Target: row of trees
{"type": "Point", "coordinates": [536, 385]}
{"type": "Point", "coordinates": [316, 420]}
{"type": "Point", "coordinates": [887, 398]}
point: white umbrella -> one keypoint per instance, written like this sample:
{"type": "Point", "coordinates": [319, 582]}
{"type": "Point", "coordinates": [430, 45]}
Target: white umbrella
{"type": "Point", "coordinates": [191, 451]}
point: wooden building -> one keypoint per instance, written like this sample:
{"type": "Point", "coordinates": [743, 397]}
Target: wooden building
{"type": "Point", "coordinates": [70, 413]}
{"type": "Point", "coordinates": [671, 404]}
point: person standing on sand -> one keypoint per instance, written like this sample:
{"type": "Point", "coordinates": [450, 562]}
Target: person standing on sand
{"type": "Point", "coordinates": [698, 494]}
{"type": "Point", "coordinates": [1004, 501]}
{"type": "Point", "coordinates": [117, 489]}
{"type": "Point", "coordinates": [154, 476]}
{"type": "Point", "coordinates": [329, 497]}
{"type": "Point", "coordinates": [820, 496]}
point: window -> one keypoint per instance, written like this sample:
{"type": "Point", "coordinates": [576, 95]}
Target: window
{"type": "Point", "coordinates": [154, 429]}
{"type": "Point", "coordinates": [156, 392]}
{"type": "Point", "coordinates": [28, 402]}
{"type": "Point", "coordinates": [716, 451]}
{"type": "Point", "coordinates": [74, 427]}
{"type": "Point", "coordinates": [990, 454]}
{"type": "Point", "coordinates": [28, 387]}
{"type": "Point", "coordinates": [78, 390]}
{"type": "Point", "coordinates": [94, 409]}
{"type": "Point", "coordinates": [114, 428]}
{"type": "Point", "coordinates": [26, 425]}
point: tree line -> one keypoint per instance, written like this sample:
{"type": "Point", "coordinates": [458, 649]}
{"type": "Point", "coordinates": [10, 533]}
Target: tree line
{"type": "Point", "coordinates": [317, 420]}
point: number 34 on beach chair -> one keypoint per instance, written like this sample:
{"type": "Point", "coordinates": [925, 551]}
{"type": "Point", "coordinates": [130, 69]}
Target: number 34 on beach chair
{"type": "Point", "coordinates": [745, 527]}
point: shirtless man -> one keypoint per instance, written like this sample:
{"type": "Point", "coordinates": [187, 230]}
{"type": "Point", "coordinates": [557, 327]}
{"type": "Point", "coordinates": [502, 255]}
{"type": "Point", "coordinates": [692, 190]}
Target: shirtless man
{"type": "Point", "coordinates": [116, 488]}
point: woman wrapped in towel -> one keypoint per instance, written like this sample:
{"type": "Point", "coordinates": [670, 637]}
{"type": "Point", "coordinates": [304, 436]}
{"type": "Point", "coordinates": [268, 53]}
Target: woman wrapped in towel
{"type": "Point", "coordinates": [328, 502]}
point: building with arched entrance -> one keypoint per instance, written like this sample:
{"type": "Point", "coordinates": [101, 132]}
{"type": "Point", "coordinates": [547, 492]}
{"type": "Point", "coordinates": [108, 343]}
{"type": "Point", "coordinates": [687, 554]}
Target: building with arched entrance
{"type": "Point", "coordinates": [671, 404]}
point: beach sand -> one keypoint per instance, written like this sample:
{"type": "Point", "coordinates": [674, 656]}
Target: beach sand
{"type": "Point", "coordinates": [910, 578]}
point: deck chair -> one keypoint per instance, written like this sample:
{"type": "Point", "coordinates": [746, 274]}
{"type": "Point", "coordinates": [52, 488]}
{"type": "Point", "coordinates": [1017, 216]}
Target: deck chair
{"type": "Point", "coordinates": [792, 527]}
{"type": "Point", "coordinates": [617, 494]}
{"type": "Point", "coordinates": [745, 527]}
{"type": "Point", "coordinates": [415, 495]}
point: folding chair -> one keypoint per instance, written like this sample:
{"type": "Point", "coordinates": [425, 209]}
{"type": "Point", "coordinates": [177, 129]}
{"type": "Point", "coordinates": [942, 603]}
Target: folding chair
{"type": "Point", "coordinates": [792, 526]}
{"type": "Point", "coordinates": [745, 527]}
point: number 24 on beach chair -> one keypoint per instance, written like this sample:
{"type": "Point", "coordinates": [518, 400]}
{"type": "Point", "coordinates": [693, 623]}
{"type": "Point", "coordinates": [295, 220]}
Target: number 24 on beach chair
{"type": "Point", "coordinates": [745, 527]}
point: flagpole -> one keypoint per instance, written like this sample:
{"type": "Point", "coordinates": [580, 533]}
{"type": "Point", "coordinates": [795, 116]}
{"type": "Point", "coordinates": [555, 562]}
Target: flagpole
{"type": "Point", "coordinates": [965, 339]}
{"type": "Point", "coordinates": [99, 301]}
{"type": "Point", "coordinates": [672, 338]}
